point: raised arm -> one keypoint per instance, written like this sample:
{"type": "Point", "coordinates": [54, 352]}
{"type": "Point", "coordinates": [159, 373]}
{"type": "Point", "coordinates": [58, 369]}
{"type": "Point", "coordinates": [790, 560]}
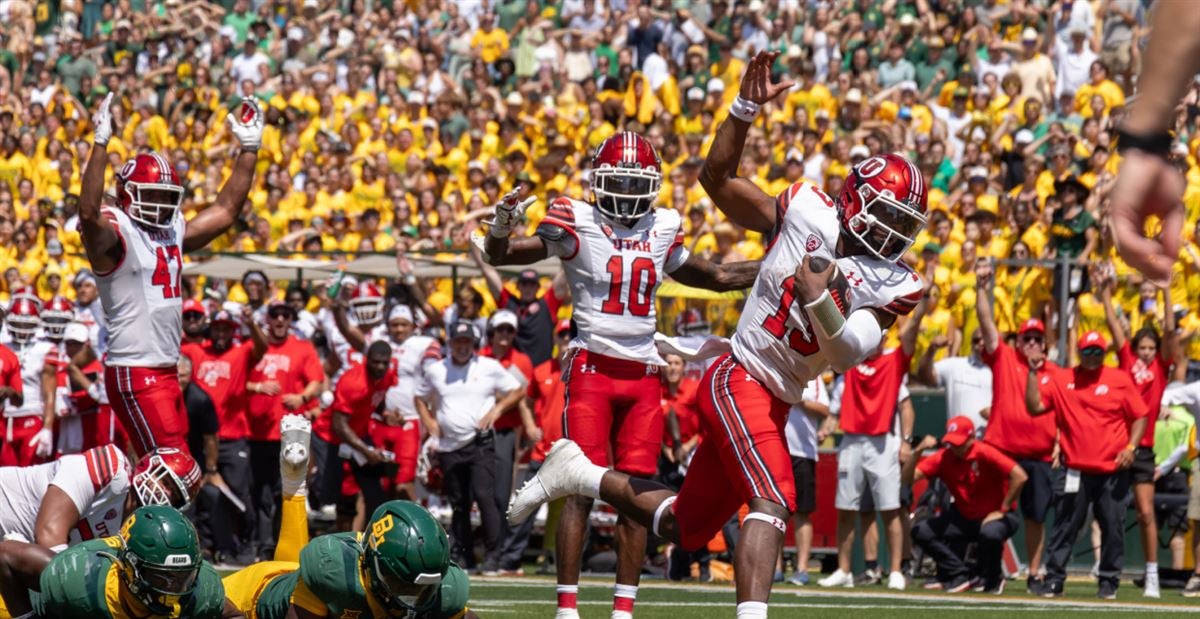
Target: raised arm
{"type": "Point", "coordinates": [213, 221]}
{"type": "Point", "coordinates": [739, 198]}
{"type": "Point", "coordinates": [698, 272]}
{"type": "Point", "coordinates": [926, 373]}
{"type": "Point", "coordinates": [909, 473]}
{"type": "Point", "coordinates": [354, 336]}
{"type": "Point", "coordinates": [1110, 315]}
{"type": "Point", "coordinates": [490, 275]}
{"type": "Point", "coordinates": [983, 305]}
{"type": "Point", "coordinates": [908, 335]}
{"type": "Point", "coordinates": [497, 248]}
{"type": "Point", "coordinates": [100, 240]}
{"type": "Point", "coordinates": [1170, 336]}
{"type": "Point", "coordinates": [257, 337]}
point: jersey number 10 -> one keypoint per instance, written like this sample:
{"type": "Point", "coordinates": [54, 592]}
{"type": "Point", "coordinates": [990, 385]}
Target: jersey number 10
{"type": "Point", "coordinates": [642, 279]}
{"type": "Point", "coordinates": [162, 271]}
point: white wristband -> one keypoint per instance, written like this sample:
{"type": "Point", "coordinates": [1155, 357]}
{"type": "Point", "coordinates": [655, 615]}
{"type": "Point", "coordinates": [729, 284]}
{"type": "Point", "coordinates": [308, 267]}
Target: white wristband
{"type": "Point", "coordinates": [498, 231]}
{"type": "Point", "coordinates": [743, 109]}
{"type": "Point", "coordinates": [827, 319]}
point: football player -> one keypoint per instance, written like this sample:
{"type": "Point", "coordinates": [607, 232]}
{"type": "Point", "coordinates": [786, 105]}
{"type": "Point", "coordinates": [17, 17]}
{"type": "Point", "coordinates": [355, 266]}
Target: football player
{"type": "Point", "coordinates": [153, 568]}
{"type": "Point", "coordinates": [136, 251]}
{"type": "Point", "coordinates": [28, 439]}
{"type": "Point", "coordinates": [803, 316]}
{"type": "Point", "coordinates": [616, 251]}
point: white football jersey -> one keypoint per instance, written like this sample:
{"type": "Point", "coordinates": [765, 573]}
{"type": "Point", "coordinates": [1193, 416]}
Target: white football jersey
{"type": "Point", "coordinates": [340, 346]}
{"type": "Point", "coordinates": [411, 358]}
{"type": "Point", "coordinates": [143, 295]}
{"type": "Point", "coordinates": [614, 273]}
{"type": "Point", "coordinates": [33, 357]}
{"type": "Point", "coordinates": [96, 480]}
{"type": "Point", "coordinates": [773, 339]}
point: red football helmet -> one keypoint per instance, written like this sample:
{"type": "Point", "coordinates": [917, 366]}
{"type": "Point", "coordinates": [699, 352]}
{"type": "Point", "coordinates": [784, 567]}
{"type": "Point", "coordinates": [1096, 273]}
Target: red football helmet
{"type": "Point", "coordinates": [167, 476]}
{"type": "Point", "coordinates": [28, 293]}
{"type": "Point", "coordinates": [626, 176]}
{"type": "Point", "coordinates": [23, 319]}
{"type": "Point", "coordinates": [882, 205]}
{"type": "Point", "coordinates": [149, 191]}
{"type": "Point", "coordinates": [57, 314]}
{"type": "Point", "coordinates": [366, 303]}
{"type": "Point", "coordinates": [691, 322]}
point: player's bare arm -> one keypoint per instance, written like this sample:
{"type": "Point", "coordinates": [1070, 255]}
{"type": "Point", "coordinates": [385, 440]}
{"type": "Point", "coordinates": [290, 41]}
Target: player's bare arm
{"type": "Point", "coordinates": [850, 339]}
{"type": "Point", "coordinates": [247, 127]}
{"type": "Point", "coordinates": [700, 273]}
{"type": "Point", "coordinates": [908, 334]}
{"type": "Point", "coordinates": [100, 240]}
{"type": "Point", "coordinates": [983, 305]}
{"type": "Point", "coordinates": [257, 337]}
{"type": "Point", "coordinates": [57, 515]}
{"type": "Point", "coordinates": [739, 198]}
{"type": "Point", "coordinates": [498, 248]}
{"type": "Point", "coordinates": [354, 336]}
{"type": "Point", "coordinates": [21, 564]}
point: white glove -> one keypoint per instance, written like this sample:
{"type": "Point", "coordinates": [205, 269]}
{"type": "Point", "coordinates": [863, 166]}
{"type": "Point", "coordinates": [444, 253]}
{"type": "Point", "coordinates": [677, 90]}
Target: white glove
{"type": "Point", "coordinates": [508, 213]}
{"type": "Point", "coordinates": [102, 122]}
{"type": "Point", "coordinates": [42, 442]}
{"type": "Point", "coordinates": [247, 124]}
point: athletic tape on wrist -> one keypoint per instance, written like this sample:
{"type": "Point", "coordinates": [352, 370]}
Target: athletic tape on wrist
{"type": "Point", "coordinates": [743, 109]}
{"type": "Point", "coordinates": [827, 319]}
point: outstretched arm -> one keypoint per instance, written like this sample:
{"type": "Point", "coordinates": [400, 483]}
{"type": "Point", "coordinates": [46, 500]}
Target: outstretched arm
{"type": "Point", "coordinates": [1110, 315]}
{"type": "Point", "coordinates": [739, 198]}
{"type": "Point", "coordinates": [218, 218]}
{"type": "Point", "coordinates": [983, 305]}
{"type": "Point", "coordinates": [700, 273]}
{"type": "Point", "coordinates": [497, 248]}
{"type": "Point", "coordinates": [100, 240]}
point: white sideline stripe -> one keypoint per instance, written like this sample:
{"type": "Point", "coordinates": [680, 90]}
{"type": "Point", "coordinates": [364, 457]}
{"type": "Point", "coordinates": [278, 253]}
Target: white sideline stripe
{"type": "Point", "coordinates": [1046, 608]}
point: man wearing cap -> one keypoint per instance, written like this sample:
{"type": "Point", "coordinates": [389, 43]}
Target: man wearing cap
{"type": "Point", "coordinates": [1034, 69]}
{"type": "Point", "coordinates": [1075, 61]}
{"type": "Point", "coordinates": [1031, 441]}
{"type": "Point", "coordinates": [220, 368]}
{"type": "Point", "coordinates": [536, 314]}
{"type": "Point", "coordinates": [984, 484]}
{"type": "Point", "coordinates": [1101, 417]}
{"type": "Point", "coordinates": [285, 380]}
{"type": "Point", "coordinates": [85, 398]}
{"type": "Point", "coordinates": [471, 392]}
{"type": "Point", "coordinates": [88, 309]}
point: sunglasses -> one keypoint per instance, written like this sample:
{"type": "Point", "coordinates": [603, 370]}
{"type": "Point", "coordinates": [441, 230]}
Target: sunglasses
{"type": "Point", "coordinates": [1092, 351]}
{"type": "Point", "coordinates": [1032, 338]}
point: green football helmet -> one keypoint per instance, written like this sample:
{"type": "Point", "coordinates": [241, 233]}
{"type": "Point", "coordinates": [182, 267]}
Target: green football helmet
{"type": "Point", "coordinates": [160, 557]}
{"type": "Point", "coordinates": [405, 553]}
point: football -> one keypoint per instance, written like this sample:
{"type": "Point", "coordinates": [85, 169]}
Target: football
{"type": "Point", "coordinates": [839, 289]}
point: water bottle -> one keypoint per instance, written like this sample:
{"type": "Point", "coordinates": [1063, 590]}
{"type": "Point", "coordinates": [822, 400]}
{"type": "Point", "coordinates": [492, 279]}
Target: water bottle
{"type": "Point", "coordinates": [335, 286]}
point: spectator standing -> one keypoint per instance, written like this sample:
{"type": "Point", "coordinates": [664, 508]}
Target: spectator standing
{"type": "Point", "coordinates": [89, 310]}
{"type": "Point", "coordinates": [1122, 18]}
{"type": "Point", "coordinates": [1034, 69]}
{"type": "Point", "coordinates": [341, 432]}
{"type": "Point", "coordinates": [1028, 440]}
{"type": "Point", "coordinates": [11, 394]}
{"type": "Point", "coordinates": [984, 483]}
{"type": "Point", "coordinates": [1074, 62]}
{"type": "Point", "coordinates": [873, 448]}
{"type": "Point", "coordinates": [896, 68]}
{"type": "Point", "coordinates": [967, 380]}
{"type": "Point", "coordinates": [1100, 418]}
{"type": "Point", "coordinates": [285, 380]}
{"type": "Point", "coordinates": [806, 428]}
{"type": "Point", "coordinates": [1146, 358]}
{"type": "Point", "coordinates": [204, 448]}
{"type": "Point", "coordinates": [221, 367]}
{"type": "Point", "coordinates": [399, 430]}
{"type": "Point", "coordinates": [471, 392]}
{"type": "Point", "coordinates": [536, 314]}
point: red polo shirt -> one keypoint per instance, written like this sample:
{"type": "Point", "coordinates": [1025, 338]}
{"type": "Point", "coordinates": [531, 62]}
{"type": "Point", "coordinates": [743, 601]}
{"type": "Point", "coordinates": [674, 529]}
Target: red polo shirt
{"type": "Point", "coordinates": [1150, 380]}
{"type": "Point", "coordinates": [1093, 411]}
{"type": "Point", "coordinates": [548, 393]}
{"type": "Point", "coordinates": [977, 482]}
{"type": "Point", "coordinates": [511, 417]}
{"type": "Point", "coordinates": [1011, 428]}
{"type": "Point", "coordinates": [356, 396]}
{"type": "Point", "coordinates": [223, 376]}
{"type": "Point", "coordinates": [293, 364]}
{"type": "Point", "coordinates": [687, 410]}
{"type": "Point", "coordinates": [871, 392]}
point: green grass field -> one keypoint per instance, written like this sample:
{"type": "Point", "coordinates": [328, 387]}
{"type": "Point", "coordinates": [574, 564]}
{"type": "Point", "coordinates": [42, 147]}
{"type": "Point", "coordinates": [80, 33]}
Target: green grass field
{"type": "Point", "coordinates": [534, 597]}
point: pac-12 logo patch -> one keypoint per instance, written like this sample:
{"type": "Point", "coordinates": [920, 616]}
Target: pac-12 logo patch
{"type": "Point", "coordinates": [812, 244]}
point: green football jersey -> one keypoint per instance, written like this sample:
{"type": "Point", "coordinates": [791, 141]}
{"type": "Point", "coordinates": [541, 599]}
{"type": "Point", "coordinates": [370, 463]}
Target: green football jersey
{"type": "Point", "coordinates": [83, 582]}
{"type": "Point", "coordinates": [329, 569]}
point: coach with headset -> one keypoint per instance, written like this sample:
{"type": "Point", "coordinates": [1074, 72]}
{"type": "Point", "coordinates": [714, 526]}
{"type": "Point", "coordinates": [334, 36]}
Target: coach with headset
{"type": "Point", "coordinates": [458, 402]}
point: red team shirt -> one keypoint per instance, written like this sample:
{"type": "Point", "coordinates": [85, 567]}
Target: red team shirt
{"type": "Point", "coordinates": [548, 393]}
{"type": "Point", "coordinates": [356, 396]}
{"type": "Point", "coordinates": [511, 417]}
{"type": "Point", "coordinates": [870, 391]}
{"type": "Point", "coordinates": [293, 364]}
{"type": "Point", "coordinates": [977, 482]}
{"type": "Point", "coordinates": [1093, 414]}
{"type": "Point", "coordinates": [687, 410]}
{"type": "Point", "coordinates": [218, 374]}
{"type": "Point", "coordinates": [1010, 427]}
{"type": "Point", "coordinates": [1150, 380]}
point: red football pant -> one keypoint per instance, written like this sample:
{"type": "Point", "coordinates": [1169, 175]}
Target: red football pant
{"type": "Point", "coordinates": [404, 441]}
{"type": "Point", "coordinates": [149, 404]}
{"type": "Point", "coordinates": [15, 450]}
{"type": "Point", "coordinates": [744, 454]}
{"type": "Point", "coordinates": [614, 405]}
{"type": "Point", "coordinates": [102, 428]}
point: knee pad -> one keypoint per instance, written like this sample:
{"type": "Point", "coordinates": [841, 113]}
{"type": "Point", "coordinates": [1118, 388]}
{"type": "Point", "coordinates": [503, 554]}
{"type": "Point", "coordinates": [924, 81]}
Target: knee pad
{"type": "Point", "coordinates": [662, 507]}
{"type": "Point", "coordinates": [774, 521]}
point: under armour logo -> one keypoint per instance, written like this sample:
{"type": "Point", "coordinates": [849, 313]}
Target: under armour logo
{"type": "Point", "coordinates": [151, 380]}
{"type": "Point", "coordinates": [1101, 389]}
{"type": "Point", "coordinates": [587, 369]}
{"type": "Point", "coordinates": [651, 370]}
{"type": "Point", "coordinates": [854, 280]}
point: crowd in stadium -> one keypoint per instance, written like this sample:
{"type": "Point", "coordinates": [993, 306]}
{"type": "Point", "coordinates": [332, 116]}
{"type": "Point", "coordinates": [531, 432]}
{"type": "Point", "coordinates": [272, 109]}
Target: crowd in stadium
{"type": "Point", "coordinates": [398, 128]}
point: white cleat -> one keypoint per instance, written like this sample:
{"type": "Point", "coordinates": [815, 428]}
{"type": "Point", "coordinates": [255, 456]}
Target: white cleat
{"type": "Point", "coordinates": [896, 581]}
{"type": "Point", "coordinates": [294, 431]}
{"type": "Point", "coordinates": [838, 579]}
{"type": "Point", "coordinates": [566, 471]}
{"type": "Point", "coordinates": [1152, 587]}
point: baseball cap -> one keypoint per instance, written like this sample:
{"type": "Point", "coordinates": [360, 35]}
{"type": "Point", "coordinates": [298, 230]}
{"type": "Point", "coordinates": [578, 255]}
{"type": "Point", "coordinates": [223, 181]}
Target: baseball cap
{"type": "Point", "coordinates": [907, 19]}
{"type": "Point", "coordinates": [932, 248]}
{"type": "Point", "coordinates": [859, 150]}
{"type": "Point", "coordinates": [463, 329]}
{"type": "Point", "coordinates": [223, 317]}
{"type": "Point", "coordinates": [958, 431]}
{"type": "Point", "coordinates": [854, 95]}
{"type": "Point", "coordinates": [278, 305]}
{"type": "Point", "coordinates": [695, 93]}
{"type": "Point", "coordinates": [978, 171]}
{"type": "Point", "coordinates": [503, 317]}
{"type": "Point", "coordinates": [528, 275]}
{"type": "Point", "coordinates": [192, 305]}
{"type": "Point", "coordinates": [1024, 136]}
{"type": "Point", "coordinates": [1033, 324]}
{"type": "Point", "coordinates": [794, 155]}
{"type": "Point", "coordinates": [716, 84]}
{"type": "Point", "coordinates": [400, 312]}
{"type": "Point", "coordinates": [1029, 35]}
{"type": "Point", "coordinates": [76, 332]}
{"type": "Point", "coordinates": [563, 325]}
{"type": "Point", "coordinates": [1092, 339]}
